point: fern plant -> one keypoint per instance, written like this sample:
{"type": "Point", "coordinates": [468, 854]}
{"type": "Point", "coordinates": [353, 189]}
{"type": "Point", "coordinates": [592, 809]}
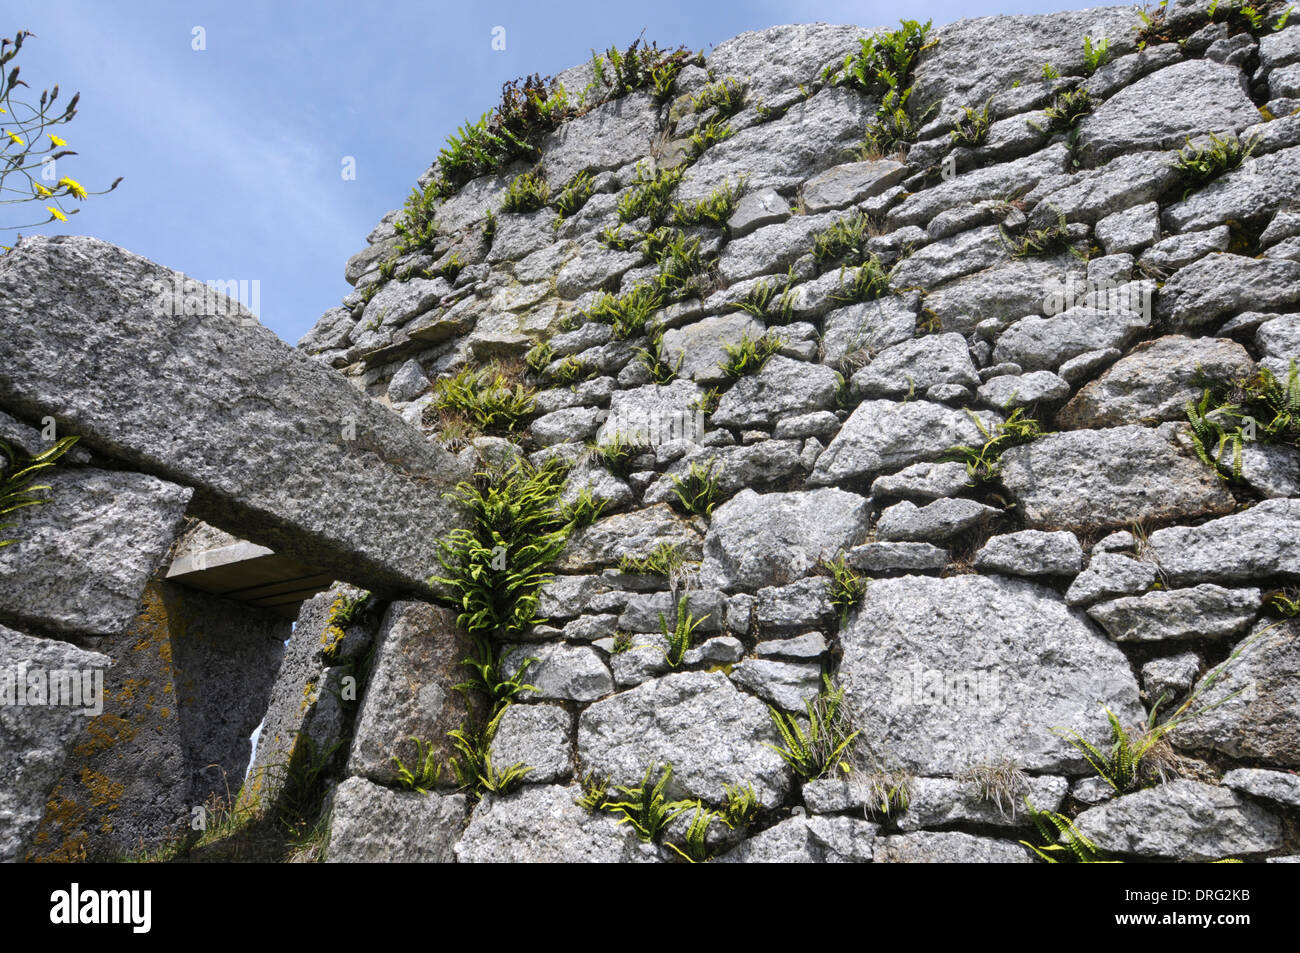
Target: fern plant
{"type": "Point", "coordinates": [617, 451]}
{"type": "Point", "coordinates": [666, 559]}
{"type": "Point", "coordinates": [645, 807]}
{"type": "Point", "coordinates": [486, 396]}
{"type": "Point", "coordinates": [883, 61]}
{"type": "Point", "coordinates": [428, 769]}
{"type": "Point", "coordinates": [651, 195]}
{"type": "Point", "coordinates": [1132, 760]}
{"type": "Point", "coordinates": [700, 491]}
{"type": "Point", "coordinates": [696, 848]}
{"type": "Point", "coordinates": [497, 564]}
{"type": "Point", "coordinates": [740, 806]}
{"type": "Point", "coordinates": [1095, 55]}
{"type": "Point", "coordinates": [749, 354]}
{"type": "Point", "coordinates": [826, 743]}
{"type": "Point", "coordinates": [573, 196]}
{"type": "Point", "coordinates": [1038, 242]}
{"type": "Point", "coordinates": [763, 302]}
{"type": "Point", "coordinates": [972, 127]}
{"type": "Point", "coordinates": [583, 511]}
{"type": "Point", "coordinates": [1062, 842]}
{"type": "Point", "coordinates": [1217, 445]}
{"type": "Point", "coordinates": [487, 676]}
{"type": "Point", "coordinates": [17, 471]}
{"type": "Point", "coordinates": [984, 462]}
{"type": "Point", "coordinates": [1285, 603]}
{"type": "Point", "coordinates": [572, 370]}
{"type": "Point", "coordinates": [845, 240]}
{"type": "Point", "coordinates": [594, 789]}
{"type": "Point", "coordinates": [713, 210]}
{"type": "Point", "coordinates": [708, 135]}
{"type": "Point", "coordinates": [1275, 404]}
{"type": "Point", "coordinates": [847, 586]}
{"type": "Point", "coordinates": [417, 227]}
{"type": "Point", "coordinates": [1067, 108]}
{"type": "Point", "coordinates": [680, 634]}
{"type": "Point", "coordinates": [870, 281]}
{"type": "Point", "coordinates": [628, 313]}
{"type": "Point", "coordinates": [727, 96]}
{"type": "Point", "coordinates": [1201, 163]}
{"type": "Point", "coordinates": [527, 192]}
{"type": "Point", "coordinates": [472, 766]}
{"type": "Point", "coordinates": [653, 360]}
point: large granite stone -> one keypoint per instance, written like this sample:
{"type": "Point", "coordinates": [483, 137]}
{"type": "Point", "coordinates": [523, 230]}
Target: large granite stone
{"type": "Point", "coordinates": [185, 385]}
{"type": "Point", "coordinates": [1087, 479]}
{"type": "Point", "coordinates": [409, 692]}
{"type": "Point", "coordinates": [82, 559]}
{"type": "Point", "coordinates": [35, 740]}
{"type": "Point", "coordinates": [943, 674]}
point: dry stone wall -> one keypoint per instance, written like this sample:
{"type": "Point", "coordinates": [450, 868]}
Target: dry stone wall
{"type": "Point", "coordinates": [1052, 266]}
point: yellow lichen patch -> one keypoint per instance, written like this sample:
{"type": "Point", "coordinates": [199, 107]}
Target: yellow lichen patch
{"type": "Point", "coordinates": [330, 641]}
{"type": "Point", "coordinates": [62, 820]}
{"type": "Point", "coordinates": [310, 695]}
{"type": "Point", "coordinates": [126, 694]}
{"type": "Point", "coordinates": [104, 792]}
{"type": "Point", "coordinates": [102, 733]}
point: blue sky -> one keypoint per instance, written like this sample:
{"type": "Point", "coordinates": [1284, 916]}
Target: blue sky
{"type": "Point", "coordinates": [232, 155]}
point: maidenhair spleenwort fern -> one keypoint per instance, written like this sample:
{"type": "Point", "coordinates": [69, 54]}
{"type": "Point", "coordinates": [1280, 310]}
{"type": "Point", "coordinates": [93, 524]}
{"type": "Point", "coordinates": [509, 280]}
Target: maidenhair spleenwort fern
{"type": "Point", "coordinates": [499, 562]}
{"type": "Point", "coordinates": [17, 471]}
{"type": "Point", "coordinates": [645, 807]}
{"type": "Point", "coordinates": [473, 766]}
{"type": "Point", "coordinates": [826, 743]}
{"type": "Point", "coordinates": [1062, 842]}
{"type": "Point", "coordinates": [679, 635]}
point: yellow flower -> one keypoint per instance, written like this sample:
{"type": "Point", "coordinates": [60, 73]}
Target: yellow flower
{"type": "Point", "coordinates": [73, 186]}
{"type": "Point", "coordinates": [14, 139]}
{"type": "Point", "coordinates": [55, 213]}
{"type": "Point", "coordinates": [56, 140]}
{"type": "Point", "coordinates": [42, 191]}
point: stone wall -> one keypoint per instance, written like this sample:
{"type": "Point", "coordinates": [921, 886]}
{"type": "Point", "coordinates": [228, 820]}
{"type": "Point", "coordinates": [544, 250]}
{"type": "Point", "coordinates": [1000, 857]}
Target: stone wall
{"type": "Point", "coordinates": [183, 406]}
{"type": "Point", "coordinates": [764, 409]}
{"type": "Point", "coordinates": [1100, 566]}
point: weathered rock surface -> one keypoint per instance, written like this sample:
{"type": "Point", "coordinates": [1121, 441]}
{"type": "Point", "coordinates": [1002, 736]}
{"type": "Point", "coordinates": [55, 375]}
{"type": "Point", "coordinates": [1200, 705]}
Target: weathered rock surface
{"type": "Point", "coordinates": [1031, 553]}
{"type": "Point", "coordinates": [881, 436]}
{"type": "Point", "coordinates": [372, 824]}
{"type": "Point", "coordinates": [251, 424]}
{"type": "Point", "coordinates": [409, 693]}
{"type": "Point", "coordinates": [808, 840]}
{"type": "Point", "coordinates": [1262, 541]}
{"type": "Point", "coordinates": [544, 824]}
{"type": "Point", "coordinates": [711, 733]}
{"type": "Point", "coordinates": [948, 847]}
{"type": "Point", "coordinates": [1205, 611]}
{"type": "Point", "coordinates": [1181, 820]}
{"type": "Point", "coordinates": [1155, 381]}
{"type": "Point", "coordinates": [774, 538]}
{"type": "Point", "coordinates": [978, 665]}
{"type": "Point", "coordinates": [1086, 479]}
{"type": "Point", "coordinates": [81, 560]}
{"type": "Point", "coordinates": [36, 739]}
{"type": "Point", "coordinates": [1262, 722]}
{"type": "Point", "coordinates": [1139, 117]}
